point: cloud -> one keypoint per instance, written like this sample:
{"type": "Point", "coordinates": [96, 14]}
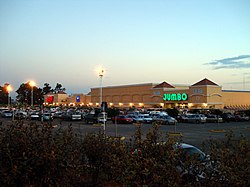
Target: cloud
{"type": "Point", "coordinates": [238, 62]}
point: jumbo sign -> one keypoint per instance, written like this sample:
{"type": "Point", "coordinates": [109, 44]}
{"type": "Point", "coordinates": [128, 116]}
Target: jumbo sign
{"type": "Point", "coordinates": [175, 97]}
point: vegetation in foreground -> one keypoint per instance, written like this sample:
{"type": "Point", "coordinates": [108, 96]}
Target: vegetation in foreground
{"type": "Point", "coordinates": [38, 155]}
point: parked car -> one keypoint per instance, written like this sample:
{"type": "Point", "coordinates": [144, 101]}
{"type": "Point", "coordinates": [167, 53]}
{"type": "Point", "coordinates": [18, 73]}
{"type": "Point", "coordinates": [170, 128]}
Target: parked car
{"type": "Point", "coordinates": [7, 114]}
{"type": "Point", "coordinates": [46, 117]}
{"type": "Point", "coordinates": [76, 116]}
{"type": "Point", "coordinates": [214, 118]}
{"type": "Point", "coordinates": [58, 114]}
{"type": "Point", "coordinates": [146, 118]}
{"type": "Point", "coordinates": [122, 119]}
{"type": "Point", "coordinates": [19, 114]}
{"type": "Point", "coordinates": [2, 110]}
{"type": "Point", "coordinates": [165, 120]}
{"type": "Point", "coordinates": [196, 118]}
{"type": "Point", "coordinates": [91, 118]}
{"type": "Point", "coordinates": [191, 172]}
{"type": "Point", "coordinates": [227, 117]}
{"type": "Point", "coordinates": [136, 119]}
{"type": "Point", "coordinates": [241, 118]}
{"type": "Point", "coordinates": [34, 116]}
{"type": "Point", "coordinates": [182, 118]}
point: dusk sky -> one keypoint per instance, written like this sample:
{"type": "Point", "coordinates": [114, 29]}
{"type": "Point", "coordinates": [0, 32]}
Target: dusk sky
{"type": "Point", "coordinates": [136, 41]}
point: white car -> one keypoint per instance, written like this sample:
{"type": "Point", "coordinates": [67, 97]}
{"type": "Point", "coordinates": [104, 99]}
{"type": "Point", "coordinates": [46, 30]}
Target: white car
{"type": "Point", "coordinates": [165, 120]}
{"type": "Point", "coordinates": [76, 116]}
{"type": "Point", "coordinates": [146, 118]}
{"type": "Point", "coordinates": [34, 116]}
{"type": "Point", "coordinates": [196, 118]}
{"type": "Point", "coordinates": [7, 114]}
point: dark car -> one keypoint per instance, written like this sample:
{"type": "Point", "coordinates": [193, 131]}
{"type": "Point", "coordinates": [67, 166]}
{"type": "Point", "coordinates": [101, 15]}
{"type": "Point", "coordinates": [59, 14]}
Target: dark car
{"type": "Point", "coordinates": [227, 117]}
{"type": "Point", "coordinates": [190, 171]}
{"type": "Point", "coordinates": [182, 118]}
{"type": "Point", "coordinates": [214, 118]}
{"type": "Point", "coordinates": [241, 118]}
{"type": "Point", "coordinates": [91, 118]}
{"type": "Point", "coordinates": [122, 119]}
{"type": "Point", "coordinates": [71, 116]}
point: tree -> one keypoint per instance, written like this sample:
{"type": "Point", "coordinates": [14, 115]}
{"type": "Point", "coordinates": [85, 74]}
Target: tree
{"type": "Point", "coordinates": [59, 88]}
{"type": "Point", "coordinates": [24, 94]}
{"type": "Point", "coordinates": [3, 95]}
{"type": "Point", "coordinates": [46, 89]}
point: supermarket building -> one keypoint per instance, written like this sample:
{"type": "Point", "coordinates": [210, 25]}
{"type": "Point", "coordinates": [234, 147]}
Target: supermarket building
{"type": "Point", "coordinates": [203, 94]}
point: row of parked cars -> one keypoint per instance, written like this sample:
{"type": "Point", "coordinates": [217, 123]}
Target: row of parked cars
{"type": "Point", "coordinates": [211, 118]}
{"type": "Point", "coordinates": [23, 114]}
{"type": "Point", "coordinates": [95, 116]}
{"type": "Point", "coordinates": [162, 118]}
{"type": "Point", "coordinates": [165, 119]}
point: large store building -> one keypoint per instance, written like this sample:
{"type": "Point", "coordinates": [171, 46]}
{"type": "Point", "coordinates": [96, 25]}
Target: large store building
{"type": "Point", "coordinates": [203, 94]}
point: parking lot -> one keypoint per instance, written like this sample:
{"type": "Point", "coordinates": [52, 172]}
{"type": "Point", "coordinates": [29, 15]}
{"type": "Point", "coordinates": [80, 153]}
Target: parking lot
{"type": "Point", "coordinates": [190, 133]}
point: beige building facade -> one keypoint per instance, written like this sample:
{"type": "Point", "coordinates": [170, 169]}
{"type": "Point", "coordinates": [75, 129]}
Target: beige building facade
{"type": "Point", "coordinates": [203, 94]}
{"type": "Point", "coordinates": [64, 99]}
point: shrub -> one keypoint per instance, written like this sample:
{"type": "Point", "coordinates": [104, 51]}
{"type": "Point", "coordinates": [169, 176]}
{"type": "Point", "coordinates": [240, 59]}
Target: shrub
{"type": "Point", "coordinates": [38, 155]}
{"type": "Point", "coordinates": [34, 155]}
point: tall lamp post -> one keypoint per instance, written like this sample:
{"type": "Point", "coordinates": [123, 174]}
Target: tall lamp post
{"type": "Point", "coordinates": [32, 84]}
{"type": "Point", "coordinates": [101, 74]}
{"type": "Point", "coordinates": [9, 89]}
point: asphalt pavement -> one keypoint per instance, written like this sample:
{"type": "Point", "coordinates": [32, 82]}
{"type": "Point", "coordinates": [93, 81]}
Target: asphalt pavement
{"type": "Point", "coordinates": [190, 133]}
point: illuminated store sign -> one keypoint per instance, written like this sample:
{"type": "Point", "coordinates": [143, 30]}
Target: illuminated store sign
{"type": "Point", "coordinates": [78, 99]}
{"type": "Point", "coordinates": [175, 97]}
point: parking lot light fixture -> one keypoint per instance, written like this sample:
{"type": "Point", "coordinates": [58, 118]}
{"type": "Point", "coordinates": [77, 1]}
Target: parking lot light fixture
{"type": "Point", "coordinates": [9, 89]}
{"type": "Point", "coordinates": [101, 72]}
{"type": "Point", "coordinates": [32, 84]}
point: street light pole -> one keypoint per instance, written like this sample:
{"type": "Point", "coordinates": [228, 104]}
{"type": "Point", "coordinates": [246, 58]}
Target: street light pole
{"type": "Point", "coordinates": [101, 73]}
{"type": "Point", "coordinates": [32, 84]}
{"type": "Point", "coordinates": [101, 76]}
{"type": "Point", "coordinates": [32, 96]}
{"type": "Point", "coordinates": [8, 91]}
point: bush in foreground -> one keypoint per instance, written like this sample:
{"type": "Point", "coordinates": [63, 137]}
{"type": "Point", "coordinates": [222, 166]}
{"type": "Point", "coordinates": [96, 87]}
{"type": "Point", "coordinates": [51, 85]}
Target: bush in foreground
{"type": "Point", "coordinates": [38, 155]}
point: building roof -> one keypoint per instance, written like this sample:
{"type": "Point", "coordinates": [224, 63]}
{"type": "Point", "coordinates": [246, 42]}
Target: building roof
{"type": "Point", "coordinates": [61, 92]}
{"type": "Point", "coordinates": [164, 85]}
{"type": "Point", "coordinates": [204, 82]}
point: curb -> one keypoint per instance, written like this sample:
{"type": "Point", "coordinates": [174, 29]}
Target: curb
{"type": "Point", "coordinates": [137, 124]}
{"type": "Point", "coordinates": [175, 134]}
{"type": "Point", "coordinates": [97, 125]}
{"type": "Point", "coordinates": [218, 131]}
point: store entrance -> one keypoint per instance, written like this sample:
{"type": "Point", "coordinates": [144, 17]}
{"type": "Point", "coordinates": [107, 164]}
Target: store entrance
{"type": "Point", "coordinates": [176, 105]}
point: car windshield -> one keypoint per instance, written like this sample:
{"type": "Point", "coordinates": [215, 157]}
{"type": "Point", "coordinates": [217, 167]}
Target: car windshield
{"type": "Point", "coordinates": [192, 151]}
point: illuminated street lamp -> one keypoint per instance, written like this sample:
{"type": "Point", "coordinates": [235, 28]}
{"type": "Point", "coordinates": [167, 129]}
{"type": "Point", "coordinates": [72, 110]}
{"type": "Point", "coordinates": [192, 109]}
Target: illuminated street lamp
{"type": "Point", "coordinates": [101, 74]}
{"type": "Point", "coordinates": [9, 89]}
{"type": "Point", "coordinates": [32, 84]}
